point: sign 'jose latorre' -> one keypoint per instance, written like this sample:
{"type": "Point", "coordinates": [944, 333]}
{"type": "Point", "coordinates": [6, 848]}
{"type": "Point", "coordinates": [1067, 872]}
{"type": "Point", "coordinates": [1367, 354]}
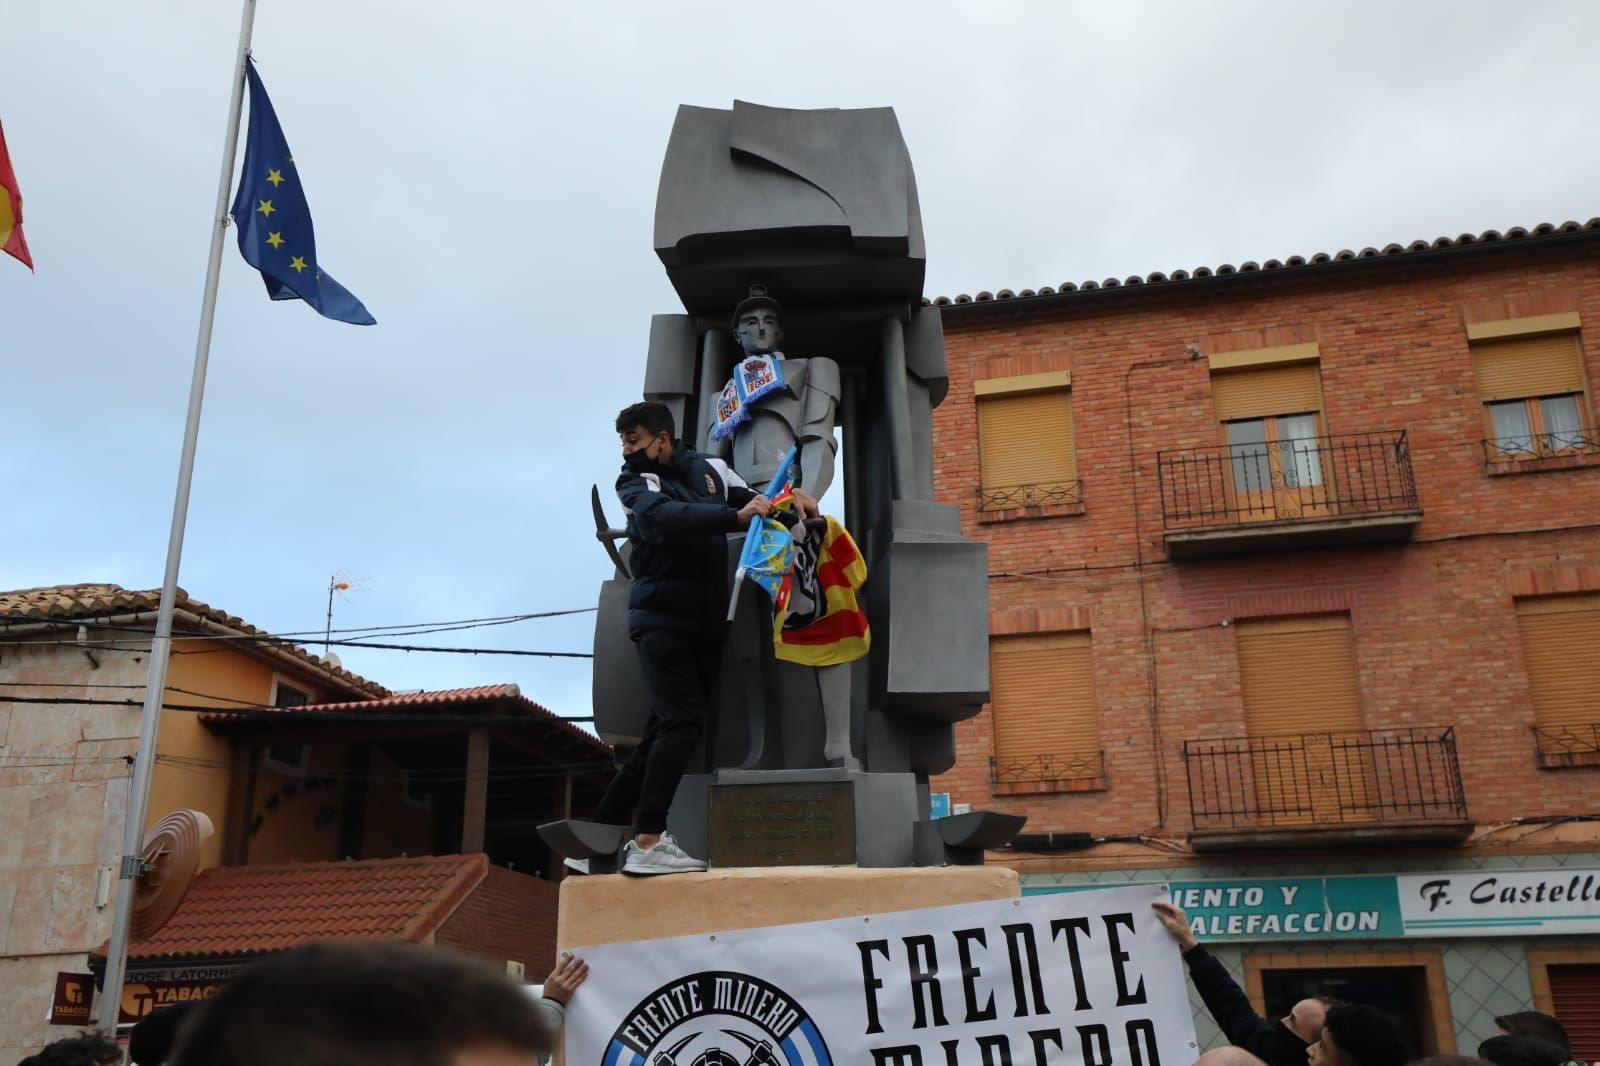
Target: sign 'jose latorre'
{"type": "Point", "coordinates": [1085, 977]}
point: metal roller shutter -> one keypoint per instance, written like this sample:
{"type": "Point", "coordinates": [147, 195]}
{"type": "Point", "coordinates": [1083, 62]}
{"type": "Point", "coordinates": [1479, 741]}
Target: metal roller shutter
{"type": "Point", "coordinates": [1277, 390]}
{"type": "Point", "coordinates": [1298, 675]}
{"type": "Point", "coordinates": [1043, 696]}
{"type": "Point", "coordinates": [1559, 638]}
{"type": "Point", "coordinates": [1302, 702]}
{"type": "Point", "coordinates": [1575, 995]}
{"type": "Point", "coordinates": [1527, 366]}
{"type": "Point", "coordinates": [1026, 439]}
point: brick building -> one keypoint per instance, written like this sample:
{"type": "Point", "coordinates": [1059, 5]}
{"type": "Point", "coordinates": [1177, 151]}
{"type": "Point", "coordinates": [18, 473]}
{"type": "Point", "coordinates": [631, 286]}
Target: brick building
{"type": "Point", "coordinates": [1295, 591]}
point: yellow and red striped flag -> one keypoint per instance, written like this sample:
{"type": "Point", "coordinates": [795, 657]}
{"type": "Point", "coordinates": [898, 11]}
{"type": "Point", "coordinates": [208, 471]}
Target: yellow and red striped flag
{"type": "Point", "coordinates": [11, 239]}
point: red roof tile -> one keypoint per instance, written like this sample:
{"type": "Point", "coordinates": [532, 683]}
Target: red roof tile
{"type": "Point", "coordinates": [508, 696]}
{"type": "Point", "coordinates": [247, 910]}
{"type": "Point", "coordinates": [96, 602]}
{"type": "Point", "coordinates": [1293, 265]}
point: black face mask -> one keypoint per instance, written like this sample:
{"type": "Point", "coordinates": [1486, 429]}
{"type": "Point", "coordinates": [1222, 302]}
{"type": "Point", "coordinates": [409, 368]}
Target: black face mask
{"type": "Point", "coordinates": [639, 461]}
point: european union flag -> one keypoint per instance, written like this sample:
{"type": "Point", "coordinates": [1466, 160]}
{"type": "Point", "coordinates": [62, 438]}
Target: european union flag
{"type": "Point", "coordinates": [275, 223]}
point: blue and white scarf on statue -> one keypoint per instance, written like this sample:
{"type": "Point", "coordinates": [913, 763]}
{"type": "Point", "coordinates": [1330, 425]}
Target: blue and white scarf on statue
{"type": "Point", "coordinates": [752, 379]}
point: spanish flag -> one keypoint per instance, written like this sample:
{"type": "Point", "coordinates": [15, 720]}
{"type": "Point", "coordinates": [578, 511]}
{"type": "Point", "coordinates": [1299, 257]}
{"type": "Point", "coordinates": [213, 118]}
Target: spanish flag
{"type": "Point", "coordinates": [11, 239]}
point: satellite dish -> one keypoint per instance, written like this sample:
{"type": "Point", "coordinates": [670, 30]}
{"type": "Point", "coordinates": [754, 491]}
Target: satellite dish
{"type": "Point", "coordinates": [171, 855]}
{"type": "Point", "coordinates": [333, 660]}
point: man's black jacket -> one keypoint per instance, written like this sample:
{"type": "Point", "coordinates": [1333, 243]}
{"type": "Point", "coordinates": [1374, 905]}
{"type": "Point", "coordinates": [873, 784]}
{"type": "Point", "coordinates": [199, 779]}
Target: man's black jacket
{"type": "Point", "coordinates": [1268, 1040]}
{"type": "Point", "coordinates": [679, 516]}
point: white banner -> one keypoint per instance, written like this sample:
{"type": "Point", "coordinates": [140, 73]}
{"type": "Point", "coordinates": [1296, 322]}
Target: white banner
{"type": "Point", "coordinates": [1088, 978]}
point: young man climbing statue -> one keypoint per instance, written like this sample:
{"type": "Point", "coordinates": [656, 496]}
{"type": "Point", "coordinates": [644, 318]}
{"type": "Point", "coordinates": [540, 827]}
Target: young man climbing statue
{"type": "Point", "coordinates": [681, 507]}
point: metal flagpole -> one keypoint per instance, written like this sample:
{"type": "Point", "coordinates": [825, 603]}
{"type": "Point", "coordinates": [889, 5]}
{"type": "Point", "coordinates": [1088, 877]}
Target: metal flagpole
{"type": "Point", "coordinates": [161, 646]}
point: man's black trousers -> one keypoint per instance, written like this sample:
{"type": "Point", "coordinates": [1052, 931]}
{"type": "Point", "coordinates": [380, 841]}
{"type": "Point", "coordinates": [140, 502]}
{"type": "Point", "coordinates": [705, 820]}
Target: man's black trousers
{"type": "Point", "coordinates": [680, 671]}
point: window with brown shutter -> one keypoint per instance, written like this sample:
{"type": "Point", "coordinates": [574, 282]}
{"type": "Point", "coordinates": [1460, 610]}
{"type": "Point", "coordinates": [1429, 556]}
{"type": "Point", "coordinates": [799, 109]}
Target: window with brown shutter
{"type": "Point", "coordinates": [1302, 710]}
{"type": "Point", "coordinates": [1533, 396]}
{"type": "Point", "coordinates": [1026, 452]}
{"type": "Point", "coordinates": [1266, 391]}
{"type": "Point", "coordinates": [1046, 724]}
{"type": "Point", "coordinates": [1559, 638]}
{"type": "Point", "coordinates": [1272, 424]}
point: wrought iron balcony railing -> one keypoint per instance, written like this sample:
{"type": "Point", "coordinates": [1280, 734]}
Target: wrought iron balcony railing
{"type": "Point", "coordinates": [1580, 739]}
{"type": "Point", "coordinates": [1309, 780]}
{"type": "Point", "coordinates": [1041, 494]}
{"type": "Point", "coordinates": [1305, 478]}
{"type": "Point", "coordinates": [1541, 446]}
{"type": "Point", "coordinates": [1037, 768]}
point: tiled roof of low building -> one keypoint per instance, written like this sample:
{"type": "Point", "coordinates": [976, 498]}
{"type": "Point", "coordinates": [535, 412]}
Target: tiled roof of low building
{"type": "Point", "coordinates": [1293, 264]}
{"type": "Point", "coordinates": [99, 602]}
{"type": "Point", "coordinates": [233, 911]}
{"type": "Point", "coordinates": [508, 696]}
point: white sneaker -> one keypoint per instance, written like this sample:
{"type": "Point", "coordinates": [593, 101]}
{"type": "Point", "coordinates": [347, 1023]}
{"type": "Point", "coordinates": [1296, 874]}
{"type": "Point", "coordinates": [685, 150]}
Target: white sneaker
{"type": "Point", "coordinates": [577, 866]}
{"type": "Point", "coordinates": [665, 857]}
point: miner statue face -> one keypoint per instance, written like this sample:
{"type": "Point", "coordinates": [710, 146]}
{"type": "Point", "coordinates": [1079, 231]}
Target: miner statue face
{"type": "Point", "coordinates": [759, 330]}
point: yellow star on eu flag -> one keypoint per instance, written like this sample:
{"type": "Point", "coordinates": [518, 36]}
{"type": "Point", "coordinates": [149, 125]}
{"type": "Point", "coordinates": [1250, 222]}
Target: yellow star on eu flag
{"type": "Point", "coordinates": [266, 208]}
{"type": "Point", "coordinates": [276, 177]}
{"type": "Point", "coordinates": [275, 239]}
{"type": "Point", "coordinates": [298, 263]}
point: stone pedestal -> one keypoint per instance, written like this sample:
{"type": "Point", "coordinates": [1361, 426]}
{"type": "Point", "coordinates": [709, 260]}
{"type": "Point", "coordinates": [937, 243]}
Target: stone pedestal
{"type": "Point", "coordinates": [876, 811]}
{"type": "Point", "coordinates": [614, 908]}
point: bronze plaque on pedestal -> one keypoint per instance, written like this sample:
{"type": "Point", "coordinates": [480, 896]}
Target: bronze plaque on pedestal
{"type": "Point", "coordinates": [788, 824]}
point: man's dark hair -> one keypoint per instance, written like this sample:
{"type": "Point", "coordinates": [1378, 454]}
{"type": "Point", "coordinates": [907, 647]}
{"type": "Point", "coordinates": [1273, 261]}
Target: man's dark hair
{"type": "Point", "coordinates": [85, 1049]}
{"type": "Point", "coordinates": [382, 1003]}
{"type": "Point", "coordinates": [1535, 1023]}
{"type": "Point", "coordinates": [1450, 1060]}
{"type": "Point", "coordinates": [150, 1043]}
{"type": "Point", "coordinates": [1364, 1035]}
{"type": "Point", "coordinates": [1522, 1051]}
{"type": "Point", "coordinates": [651, 416]}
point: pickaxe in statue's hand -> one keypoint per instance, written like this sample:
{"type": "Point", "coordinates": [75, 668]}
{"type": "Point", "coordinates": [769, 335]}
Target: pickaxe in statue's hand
{"type": "Point", "coordinates": [606, 534]}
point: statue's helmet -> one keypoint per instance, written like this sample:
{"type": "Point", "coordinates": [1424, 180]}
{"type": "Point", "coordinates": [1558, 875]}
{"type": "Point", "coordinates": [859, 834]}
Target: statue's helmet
{"type": "Point", "coordinates": [758, 298]}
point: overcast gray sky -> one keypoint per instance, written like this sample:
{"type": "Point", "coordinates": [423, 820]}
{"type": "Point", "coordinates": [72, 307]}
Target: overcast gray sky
{"type": "Point", "coordinates": [483, 175]}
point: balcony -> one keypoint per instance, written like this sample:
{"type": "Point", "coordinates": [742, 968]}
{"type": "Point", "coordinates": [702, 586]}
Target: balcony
{"type": "Point", "coordinates": [1351, 488]}
{"type": "Point", "coordinates": [1078, 772]}
{"type": "Point", "coordinates": [1326, 789]}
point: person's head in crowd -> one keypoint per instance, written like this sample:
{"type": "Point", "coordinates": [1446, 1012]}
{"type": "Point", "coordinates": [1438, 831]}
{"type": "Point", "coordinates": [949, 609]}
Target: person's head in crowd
{"type": "Point", "coordinates": [1228, 1055]}
{"type": "Point", "coordinates": [1450, 1060]}
{"type": "Point", "coordinates": [367, 1004]}
{"type": "Point", "coordinates": [85, 1049]}
{"type": "Point", "coordinates": [1523, 1051]}
{"type": "Point", "coordinates": [1537, 1024]}
{"type": "Point", "coordinates": [151, 1039]}
{"type": "Point", "coordinates": [1354, 1034]}
{"type": "Point", "coordinates": [1305, 1018]}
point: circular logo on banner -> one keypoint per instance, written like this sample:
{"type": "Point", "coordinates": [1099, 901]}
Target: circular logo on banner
{"type": "Point", "coordinates": [717, 1018]}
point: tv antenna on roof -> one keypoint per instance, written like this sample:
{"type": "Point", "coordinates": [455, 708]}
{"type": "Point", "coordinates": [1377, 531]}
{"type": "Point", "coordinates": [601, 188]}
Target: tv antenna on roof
{"type": "Point", "coordinates": [341, 582]}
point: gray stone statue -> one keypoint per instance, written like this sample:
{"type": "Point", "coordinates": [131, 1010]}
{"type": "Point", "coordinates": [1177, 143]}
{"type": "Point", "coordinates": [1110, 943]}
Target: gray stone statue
{"type": "Point", "coordinates": [801, 411]}
{"type": "Point", "coordinates": [820, 207]}
{"type": "Point", "coordinates": [798, 412]}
